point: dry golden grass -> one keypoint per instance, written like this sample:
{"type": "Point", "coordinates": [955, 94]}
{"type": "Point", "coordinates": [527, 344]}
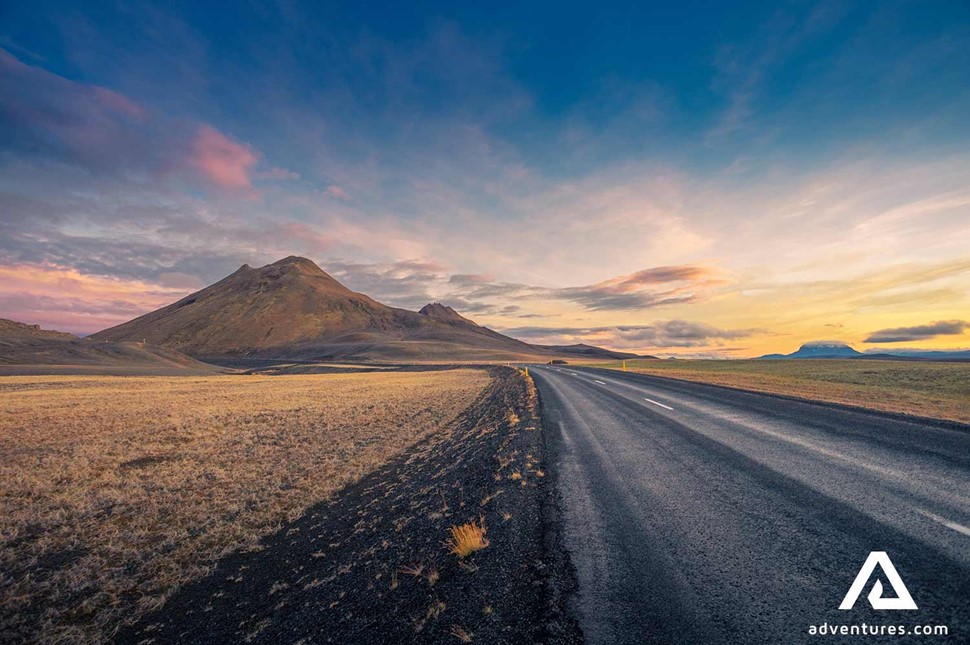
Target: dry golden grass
{"type": "Point", "coordinates": [929, 389]}
{"type": "Point", "coordinates": [115, 491]}
{"type": "Point", "coordinates": [467, 538]}
{"type": "Point", "coordinates": [461, 633]}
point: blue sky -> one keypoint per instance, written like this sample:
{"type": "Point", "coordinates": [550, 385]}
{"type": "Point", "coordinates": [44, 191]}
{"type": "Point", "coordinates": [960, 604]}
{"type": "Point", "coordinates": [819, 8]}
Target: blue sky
{"type": "Point", "coordinates": [804, 165]}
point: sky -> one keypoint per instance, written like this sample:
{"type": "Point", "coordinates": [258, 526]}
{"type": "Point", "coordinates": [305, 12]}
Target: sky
{"type": "Point", "coordinates": [690, 178]}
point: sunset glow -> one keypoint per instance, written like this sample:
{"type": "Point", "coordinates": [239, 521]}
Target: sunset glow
{"type": "Point", "coordinates": [680, 183]}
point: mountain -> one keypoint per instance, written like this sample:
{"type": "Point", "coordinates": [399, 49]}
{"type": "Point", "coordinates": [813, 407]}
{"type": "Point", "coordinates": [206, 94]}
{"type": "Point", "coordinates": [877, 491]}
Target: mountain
{"type": "Point", "coordinates": [293, 309]}
{"type": "Point", "coordinates": [819, 349]}
{"type": "Point", "coordinates": [30, 349]}
{"type": "Point", "coordinates": [590, 351]}
{"type": "Point", "coordinates": [439, 311]}
{"type": "Point", "coordinates": [836, 349]}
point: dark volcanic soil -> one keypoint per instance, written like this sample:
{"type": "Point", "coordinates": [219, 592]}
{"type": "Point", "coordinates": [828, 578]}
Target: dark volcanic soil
{"type": "Point", "coordinates": [371, 566]}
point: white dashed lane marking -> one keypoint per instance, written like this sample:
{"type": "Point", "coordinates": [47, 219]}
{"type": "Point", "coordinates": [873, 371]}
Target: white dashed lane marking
{"type": "Point", "coordinates": [666, 407]}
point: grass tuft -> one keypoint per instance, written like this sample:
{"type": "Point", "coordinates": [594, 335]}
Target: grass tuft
{"type": "Point", "coordinates": [467, 538]}
{"type": "Point", "coordinates": [461, 633]}
{"type": "Point", "coordinates": [416, 570]}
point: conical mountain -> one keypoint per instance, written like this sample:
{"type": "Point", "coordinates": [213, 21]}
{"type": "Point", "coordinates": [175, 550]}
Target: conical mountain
{"type": "Point", "coordinates": [294, 309]}
{"type": "Point", "coordinates": [439, 311]}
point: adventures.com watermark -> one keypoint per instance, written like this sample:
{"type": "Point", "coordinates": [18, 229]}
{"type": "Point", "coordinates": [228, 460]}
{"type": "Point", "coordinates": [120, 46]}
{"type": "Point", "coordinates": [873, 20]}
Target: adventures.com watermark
{"type": "Point", "coordinates": [903, 601]}
{"type": "Point", "coordinates": [826, 629]}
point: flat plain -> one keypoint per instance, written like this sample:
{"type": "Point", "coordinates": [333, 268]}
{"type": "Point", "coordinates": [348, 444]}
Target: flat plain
{"type": "Point", "coordinates": [920, 388]}
{"type": "Point", "coordinates": [117, 491]}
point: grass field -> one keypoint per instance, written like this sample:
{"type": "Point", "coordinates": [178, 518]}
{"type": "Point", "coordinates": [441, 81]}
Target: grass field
{"type": "Point", "coordinates": [115, 491]}
{"type": "Point", "coordinates": [929, 389]}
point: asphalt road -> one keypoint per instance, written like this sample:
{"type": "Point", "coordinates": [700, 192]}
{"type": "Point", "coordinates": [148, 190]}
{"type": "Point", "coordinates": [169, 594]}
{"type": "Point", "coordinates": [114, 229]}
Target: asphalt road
{"type": "Point", "coordinates": [698, 514]}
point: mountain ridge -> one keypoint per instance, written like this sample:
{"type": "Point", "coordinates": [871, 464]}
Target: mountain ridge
{"type": "Point", "coordinates": [292, 308]}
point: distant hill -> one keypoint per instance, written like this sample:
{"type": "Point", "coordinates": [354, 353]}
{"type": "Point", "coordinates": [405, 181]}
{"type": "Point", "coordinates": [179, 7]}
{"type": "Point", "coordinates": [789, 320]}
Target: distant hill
{"type": "Point", "coordinates": [294, 309]}
{"type": "Point", "coordinates": [590, 351]}
{"type": "Point", "coordinates": [819, 349]}
{"type": "Point", "coordinates": [14, 329]}
{"type": "Point", "coordinates": [30, 349]}
{"type": "Point", "coordinates": [919, 354]}
{"type": "Point", "coordinates": [836, 349]}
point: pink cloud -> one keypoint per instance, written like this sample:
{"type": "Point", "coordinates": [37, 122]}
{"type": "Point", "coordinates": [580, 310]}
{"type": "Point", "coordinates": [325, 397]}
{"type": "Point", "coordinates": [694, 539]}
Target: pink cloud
{"type": "Point", "coordinates": [107, 132]}
{"type": "Point", "coordinates": [312, 241]}
{"type": "Point", "coordinates": [118, 103]}
{"type": "Point", "coordinates": [338, 192]}
{"type": "Point", "coordinates": [63, 298]}
{"type": "Point", "coordinates": [222, 160]}
{"type": "Point", "coordinates": [65, 118]}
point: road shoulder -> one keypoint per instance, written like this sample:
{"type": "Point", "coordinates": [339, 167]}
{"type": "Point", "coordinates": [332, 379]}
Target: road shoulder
{"type": "Point", "coordinates": [372, 565]}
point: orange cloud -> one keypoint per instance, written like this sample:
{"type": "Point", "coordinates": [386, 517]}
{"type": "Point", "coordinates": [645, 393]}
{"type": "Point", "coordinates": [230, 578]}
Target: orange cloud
{"type": "Point", "coordinates": [222, 160]}
{"type": "Point", "coordinates": [659, 275]}
{"type": "Point", "coordinates": [63, 298]}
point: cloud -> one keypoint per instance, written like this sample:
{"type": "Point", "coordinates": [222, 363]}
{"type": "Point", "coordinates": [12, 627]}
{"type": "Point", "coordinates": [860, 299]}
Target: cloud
{"type": "Point", "coordinates": [337, 192]}
{"type": "Point", "coordinates": [464, 168]}
{"type": "Point", "coordinates": [224, 161]}
{"type": "Point", "coordinates": [745, 70]}
{"type": "Point", "coordinates": [644, 289]}
{"type": "Point", "coordinates": [119, 103]}
{"type": "Point", "coordinates": [48, 116]}
{"type": "Point", "coordinates": [63, 298]}
{"type": "Point", "coordinates": [665, 333]}
{"type": "Point", "coordinates": [52, 118]}
{"type": "Point", "coordinates": [277, 174]}
{"type": "Point", "coordinates": [310, 239]}
{"type": "Point", "coordinates": [919, 332]}
{"type": "Point", "coordinates": [410, 283]}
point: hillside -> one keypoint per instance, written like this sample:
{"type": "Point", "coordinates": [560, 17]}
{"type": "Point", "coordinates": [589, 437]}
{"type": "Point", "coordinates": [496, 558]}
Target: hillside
{"type": "Point", "coordinates": [294, 309]}
{"type": "Point", "coordinates": [28, 349]}
{"type": "Point", "coordinates": [12, 329]}
{"type": "Point", "coordinates": [589, 351]}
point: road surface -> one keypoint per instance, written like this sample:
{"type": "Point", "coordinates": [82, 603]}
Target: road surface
{"type": "Point", "coordinates": [699, 514]}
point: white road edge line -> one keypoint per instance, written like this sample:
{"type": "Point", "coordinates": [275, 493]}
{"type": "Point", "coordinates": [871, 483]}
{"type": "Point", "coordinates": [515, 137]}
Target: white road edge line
{"type": "Point", "coordinates": [959, 528]}
{"type": "Point", "coordinates": [600, 382]}
{"type": "Point", "coordinates": [666, 407]}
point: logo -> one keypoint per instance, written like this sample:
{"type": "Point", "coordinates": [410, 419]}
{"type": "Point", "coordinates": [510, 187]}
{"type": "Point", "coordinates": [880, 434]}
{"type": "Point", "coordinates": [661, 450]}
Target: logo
{"type": "Point", "coordinates": [902, 600]}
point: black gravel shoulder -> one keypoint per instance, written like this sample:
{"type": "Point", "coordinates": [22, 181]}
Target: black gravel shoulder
{"type": "Point", "coordinates": [371, 565]}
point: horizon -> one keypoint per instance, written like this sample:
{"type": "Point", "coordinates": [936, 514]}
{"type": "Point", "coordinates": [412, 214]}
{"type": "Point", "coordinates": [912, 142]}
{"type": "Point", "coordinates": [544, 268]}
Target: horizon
{"type": "Point", "coordinates": [898, 351]}
{"type": "Point", "coordinates": [687, 180]}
